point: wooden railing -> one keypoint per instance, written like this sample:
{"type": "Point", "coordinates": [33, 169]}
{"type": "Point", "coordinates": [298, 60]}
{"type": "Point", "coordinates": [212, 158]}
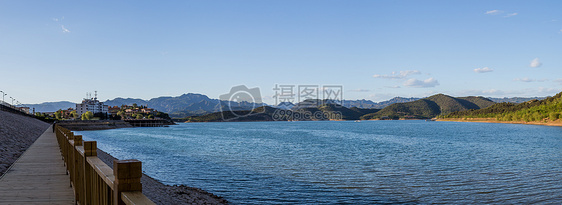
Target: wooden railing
{"type": "Point", "coordinates": [93, 181]}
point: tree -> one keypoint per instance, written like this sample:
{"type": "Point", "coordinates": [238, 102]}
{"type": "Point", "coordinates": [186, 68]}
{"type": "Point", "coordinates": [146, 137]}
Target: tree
{"type": "Point", "coordinates": [139, 116]}
{"type": "Point", "coordinates": [100, 115]}
{"type": "Point", "coordinates": [554, 116]}
{"type": "Point", "coordinates": [87, 116]}
{"type": "Point", "coordinates": [134, 105]}
{"type": "Point", "coordinates": [58, 114]}
{"type": "Point", "coordinates": [74, 114]}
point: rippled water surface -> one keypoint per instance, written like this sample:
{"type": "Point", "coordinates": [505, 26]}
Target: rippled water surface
{"type": "Point", "coordinates": [368, 162]}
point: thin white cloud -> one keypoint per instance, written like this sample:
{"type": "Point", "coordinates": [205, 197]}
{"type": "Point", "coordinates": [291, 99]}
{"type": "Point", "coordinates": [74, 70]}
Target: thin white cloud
{"type": "Point", "coordinates": [64, 30]}
{"type": "Point", "coordinates": [481, 92]}
{"type": "Point", "coordinates": [427, 83]}
{"type": "Point", "coordinates": [548, 90]}
{"type": "Point", "coordinates": [396, 86]}
{"type": "Point", "coordinates": [558, 81]}
{"type": "Point", "coordinates": [398, 75]}
{"type": "Point", "coordinates": [58, 19]}
{"type": "Point", "coordinates": [483, 70]}
{"type": "Point", "coordinates": [526, 92]}
{"type": "Point", "coordinates": [535, 63]}
{"type": "Point", "coordinates": [529, 80]}
{"type": "Point", "coordinates": [511, 14]}
{"type": "Point", "coordinates": [493, 12]}
{"type": "Point", "coordinates": [496, 12]}
{"type": "Point", "coordinates": [492, 92]}
{"type": "Point", "coordinates": [360, 90]}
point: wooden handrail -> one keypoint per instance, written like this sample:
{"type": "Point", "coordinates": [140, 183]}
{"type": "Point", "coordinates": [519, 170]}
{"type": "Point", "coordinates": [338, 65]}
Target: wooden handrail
{"type": "Point", "coordinates": [92, 180]}
{"type": "Point", "coordinates": [135, 198]}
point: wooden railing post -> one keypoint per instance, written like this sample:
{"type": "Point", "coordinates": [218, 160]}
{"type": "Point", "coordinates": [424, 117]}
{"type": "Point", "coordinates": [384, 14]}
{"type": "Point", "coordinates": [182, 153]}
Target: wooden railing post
{"type": "Point", "coordinates": [90, 150]}
{"type": "Point", "coordinates": [69, 155]}
{"type": "Point", "coordinates": [128, 175]}
{"type": "Point", "coordinates": [78, 169]}
{"type": "Point", "coordinates": [77, 140]}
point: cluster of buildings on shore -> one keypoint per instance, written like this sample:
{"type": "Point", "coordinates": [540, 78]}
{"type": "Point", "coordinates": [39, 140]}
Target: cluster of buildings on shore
{"type": "Point", "coordinates": [92, 105]}
{"type": "Point", "coordinates": [131, 110]}
{"type": "Point", "coordinates": [24, 109]}
{"type": "Point", "coordinates": [95, 106]}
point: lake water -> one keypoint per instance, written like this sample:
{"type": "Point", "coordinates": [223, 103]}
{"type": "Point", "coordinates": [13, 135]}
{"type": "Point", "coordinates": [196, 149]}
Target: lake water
{"type": "Point", "coordinates": [368, 162]}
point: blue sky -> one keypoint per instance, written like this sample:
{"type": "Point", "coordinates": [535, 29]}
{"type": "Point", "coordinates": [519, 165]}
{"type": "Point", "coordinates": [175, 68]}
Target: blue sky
{"type": "Point", "coordinates": [59, 50]}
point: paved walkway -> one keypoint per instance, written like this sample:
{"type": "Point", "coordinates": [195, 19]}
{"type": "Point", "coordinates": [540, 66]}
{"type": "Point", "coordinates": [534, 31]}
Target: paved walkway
{"type": "Point", "coordinates": [38, 176]}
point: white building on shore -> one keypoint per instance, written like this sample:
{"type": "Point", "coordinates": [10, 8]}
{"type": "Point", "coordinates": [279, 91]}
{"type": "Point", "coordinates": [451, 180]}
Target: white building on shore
{"type": "Point", "coordinates": [91, 104]}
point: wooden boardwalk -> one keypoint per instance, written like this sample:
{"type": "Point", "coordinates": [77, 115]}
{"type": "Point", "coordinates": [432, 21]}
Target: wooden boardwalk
{"type": "Point", "coordinates": [38, 176]}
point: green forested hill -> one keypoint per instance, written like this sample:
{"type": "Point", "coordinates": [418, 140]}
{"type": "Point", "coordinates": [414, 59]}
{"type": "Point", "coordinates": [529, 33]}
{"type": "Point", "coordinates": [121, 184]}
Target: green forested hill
{"type": "Point", "coordinates": [422, 108]}
{"type": "Point", "coordinates": [266, 113]}
{"type": "Point", "coordinates": [481, 102]}
{"type": "Point", "coordinates": [346, 113]}
{"type": "Point", "coordinates": [534, 110]}
{"type": "Point", "coordinates": [430, 107]}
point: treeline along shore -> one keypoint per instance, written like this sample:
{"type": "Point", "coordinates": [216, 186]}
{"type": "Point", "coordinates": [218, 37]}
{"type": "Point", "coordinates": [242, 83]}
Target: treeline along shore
{"type": "Point", "coordinates": [19, 131]}
{"type": "Point", "coordinates": [539, 112]}
{"type": "Point", "coordinates": [493, 120]}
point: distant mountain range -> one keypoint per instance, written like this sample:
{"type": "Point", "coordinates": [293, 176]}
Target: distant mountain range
{"type": "Point", "coordinates": [516, 99]}
{"type": "Point", "coordinates": [368, 104]}
{"type": "Point", "coordinates": [326, 110]}
{"type": "Point", "coordinates": [51, 106]}
{"type": "Point", "coordinates": [197, 104]}
{"type": "Point", "coordinates": [185, 105]}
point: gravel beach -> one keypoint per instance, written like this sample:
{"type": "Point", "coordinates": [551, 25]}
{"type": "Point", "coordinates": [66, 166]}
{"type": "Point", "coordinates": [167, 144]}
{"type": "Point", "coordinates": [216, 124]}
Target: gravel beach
{"type": "Point", "coordinates": [17, 133]}
{"type": "Point", "coordinates": [164, 194]}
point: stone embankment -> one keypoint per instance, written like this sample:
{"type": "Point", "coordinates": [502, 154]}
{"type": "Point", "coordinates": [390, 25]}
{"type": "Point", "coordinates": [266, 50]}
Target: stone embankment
{"type": "Point", "coordinates": [17, 133]}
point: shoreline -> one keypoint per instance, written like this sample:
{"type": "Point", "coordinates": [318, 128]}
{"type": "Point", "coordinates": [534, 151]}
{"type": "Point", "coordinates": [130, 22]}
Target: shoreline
{"type": "Point", "coordinates": [557, 123]}
{"type": "Point", "coordinates": [81, 125]}
{"type": "Point", "coordinates": [160, 193]}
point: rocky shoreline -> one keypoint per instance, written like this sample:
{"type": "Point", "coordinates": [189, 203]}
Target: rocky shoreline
{"type": "Point", "coordinates": [165, 194]}
{"type": "Point", "coordinates": [557, 123]}
{"type": "Point", "coordinates": [80, 125]}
